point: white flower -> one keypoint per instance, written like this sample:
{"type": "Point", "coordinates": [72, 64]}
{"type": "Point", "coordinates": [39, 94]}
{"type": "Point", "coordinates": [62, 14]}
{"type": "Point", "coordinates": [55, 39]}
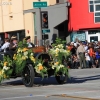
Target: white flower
{"type": "Point", "coordinates": [5, 68]}
{"type": "Point", "coordinates": [39, 64]}
{"type": "Point", "coordinates": [31, 54]}
{"type": "Point", "coordinates": [61, 66]}
{"type": "Point", "coordinates": [26, 53]}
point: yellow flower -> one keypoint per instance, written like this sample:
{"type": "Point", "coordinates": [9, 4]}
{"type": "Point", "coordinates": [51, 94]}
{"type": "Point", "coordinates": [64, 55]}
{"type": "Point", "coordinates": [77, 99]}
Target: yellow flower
{"type": "Point", "coordinates": [56, 63]}
{"type": "Point", "coordinates": [19, 50]}
{"type": "Point", "coordinates": [5, 63]}
{"type": "Point", "coordinates": [25, 49]}
{"type": "Point", "coordinates": [1, 72]}
{"type": "Point", "coordinates": [68, 51]}
{"type": "Point", "coordinates": [4, 76]}
{"type": "Point", "coordinates": [56, 54]}
{"type": "Point", "coordinates": [14, 57]}
{"type": "Point", "coordinates": [24, 58]}
{"type": "Point", "coordinates": [32, 58]}
{"type": "Point", "coordinates": [40, 67]}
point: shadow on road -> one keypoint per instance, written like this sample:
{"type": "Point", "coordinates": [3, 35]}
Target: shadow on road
{"type": "Point", "coordinates": [52, 81]}
{"type": "Point", "coordinates": [83, 79]}
{"type": "Point", "coordinates": [37, 82]}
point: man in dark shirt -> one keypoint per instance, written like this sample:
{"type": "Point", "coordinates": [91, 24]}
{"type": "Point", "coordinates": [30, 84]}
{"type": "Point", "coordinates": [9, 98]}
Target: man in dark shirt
{"type": "Point", "coordinates": [13, 43]}
{"type": "Point", "coordinates": [28, 39]}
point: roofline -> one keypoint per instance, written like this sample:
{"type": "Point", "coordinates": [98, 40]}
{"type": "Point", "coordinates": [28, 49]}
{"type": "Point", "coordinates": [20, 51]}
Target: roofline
{"type": "Point", "coordinates": [66, 4]}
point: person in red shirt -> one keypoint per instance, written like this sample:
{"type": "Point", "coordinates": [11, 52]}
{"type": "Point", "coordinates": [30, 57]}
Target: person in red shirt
{"type": "Point", "coordinates": [92, 55]}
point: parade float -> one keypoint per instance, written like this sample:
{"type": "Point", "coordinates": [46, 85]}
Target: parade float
{"type": "Point", "coordinates": [29, 63]}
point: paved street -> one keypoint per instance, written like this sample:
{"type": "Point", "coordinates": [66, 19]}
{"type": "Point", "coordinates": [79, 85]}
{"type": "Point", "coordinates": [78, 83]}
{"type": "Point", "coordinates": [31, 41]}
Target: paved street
{"type": "Point", "coordinates": [82, 85]}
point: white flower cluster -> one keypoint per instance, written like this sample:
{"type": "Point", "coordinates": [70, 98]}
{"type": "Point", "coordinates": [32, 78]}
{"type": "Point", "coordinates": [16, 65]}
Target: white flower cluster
{"type": "Point", "coordinates": [57, 66]}
{"type": "Point", "coordinates": [5, 68]}
{"type": "Point", "coordinates": [26, 54]}
{"type": "Point", "coordinates": [59, 49]}
{"type": "Point", "coordinates": [60, 46]}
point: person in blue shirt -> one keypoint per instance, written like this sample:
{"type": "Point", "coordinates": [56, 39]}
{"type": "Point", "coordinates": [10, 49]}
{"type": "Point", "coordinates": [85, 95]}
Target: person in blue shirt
{"type": "Point", "coordinates": [98, 56]}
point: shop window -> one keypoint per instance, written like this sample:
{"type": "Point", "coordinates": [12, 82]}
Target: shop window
{"type": "Point", "coordinates": [93, 38]}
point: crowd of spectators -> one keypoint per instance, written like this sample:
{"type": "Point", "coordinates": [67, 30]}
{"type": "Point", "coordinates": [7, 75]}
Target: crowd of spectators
{"type": "Point", "coordinates": [84, 54]}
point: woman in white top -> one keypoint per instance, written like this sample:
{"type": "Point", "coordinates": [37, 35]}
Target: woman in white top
{"type": "Point", "coordinates": [5, 46]}
{"type": "Point", "coordinates": [87, 59]}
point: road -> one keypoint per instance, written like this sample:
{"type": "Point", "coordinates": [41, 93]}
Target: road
{"type": "Point", "coordinates": [84, 84]}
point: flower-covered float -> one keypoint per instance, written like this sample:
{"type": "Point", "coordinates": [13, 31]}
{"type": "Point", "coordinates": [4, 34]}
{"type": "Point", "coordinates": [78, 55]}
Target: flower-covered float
{"type": "Point", "coordinates": [28, 65]}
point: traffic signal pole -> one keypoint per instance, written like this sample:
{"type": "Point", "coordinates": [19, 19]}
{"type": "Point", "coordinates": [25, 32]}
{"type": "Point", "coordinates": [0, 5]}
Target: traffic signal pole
{"type": "Point", "coordinates": [41, 41]}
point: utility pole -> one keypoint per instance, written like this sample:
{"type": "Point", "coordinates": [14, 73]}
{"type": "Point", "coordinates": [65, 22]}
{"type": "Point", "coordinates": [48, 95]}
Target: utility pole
{"type": "Point", "coordinates": [41, 42]}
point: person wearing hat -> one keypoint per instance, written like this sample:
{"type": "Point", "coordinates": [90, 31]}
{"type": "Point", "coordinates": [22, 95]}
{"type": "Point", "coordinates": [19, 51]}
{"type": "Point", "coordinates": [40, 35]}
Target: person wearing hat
{"type": "Point", "coordinates": [28, 39]}
{"type": "Point", "coordinates": [13, 43]}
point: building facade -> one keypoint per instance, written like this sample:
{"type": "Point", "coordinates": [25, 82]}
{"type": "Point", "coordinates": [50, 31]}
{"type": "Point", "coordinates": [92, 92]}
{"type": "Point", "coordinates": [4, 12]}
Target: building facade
{"type": "Point", "coordinates": [11, 18]}
{"type": "Point", "coordinates": [20, 18]}
{"type": "Point", "coordinates": [84, 20]}
{"type": "Point", "coordinates": [57, 20]}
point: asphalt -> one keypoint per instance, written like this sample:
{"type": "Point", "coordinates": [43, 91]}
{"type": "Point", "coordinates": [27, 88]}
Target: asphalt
{"type": "Point", "coordinates": [83, 84]}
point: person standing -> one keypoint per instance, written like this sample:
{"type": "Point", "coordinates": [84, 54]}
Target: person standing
{"type": "Point", "coordinates": [81, 55]}
{"type": "Point", "coordinates": [13, 46]}
{"type": "Point", "coordinates": [5, 46]}
{"type": "Point", "coordinates": [13, 43]}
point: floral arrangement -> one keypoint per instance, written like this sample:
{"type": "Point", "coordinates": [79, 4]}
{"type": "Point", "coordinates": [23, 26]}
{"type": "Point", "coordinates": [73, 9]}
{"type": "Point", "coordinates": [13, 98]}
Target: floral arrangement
{"type": "Point", "coordinates": [59, 68]}
{"type": "Point", "coordinates": [6, 68]}
{"type": "Point", "coordinates": [23, 54]}
{"type": "Point", "coordinates": [17, 64]}
{"type": "Point", "coordinates": [40, 68]}
{"type": "Point", "coordinates": [59, 55]}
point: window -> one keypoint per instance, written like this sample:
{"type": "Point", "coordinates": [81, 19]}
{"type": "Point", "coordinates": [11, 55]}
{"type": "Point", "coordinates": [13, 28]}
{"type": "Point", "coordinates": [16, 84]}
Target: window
{"type": "Point", "coordinates": [96, 1]}
{"type": "Point", "coordinates": [92, 3]}
{"type": "Point", "coordinates": [94, 6]}
{"type": "Point", "coordinates": [97, 13]}
{"type": "Point", "coordinates": [91, 6]}
{"type": "Point", "coordinates": [93, 38]}
{"type": "Point", "coordinates": [97, 7]}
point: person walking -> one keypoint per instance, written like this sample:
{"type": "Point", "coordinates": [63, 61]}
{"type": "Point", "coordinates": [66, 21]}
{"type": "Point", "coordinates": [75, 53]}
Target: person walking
{"type": "Point", "coordinates": [81, 55]}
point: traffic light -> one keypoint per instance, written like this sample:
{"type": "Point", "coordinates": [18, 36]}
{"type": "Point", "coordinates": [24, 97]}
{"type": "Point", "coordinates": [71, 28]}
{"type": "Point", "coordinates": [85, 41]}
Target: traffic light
{"type": "Point", "coordinates": [44, 19]}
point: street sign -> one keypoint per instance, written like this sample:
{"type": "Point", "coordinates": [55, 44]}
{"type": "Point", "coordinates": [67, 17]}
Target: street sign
{"type": "Point", "coordinates": [39, 4]}
{"type": "Point", "coordinates": [45, 30]}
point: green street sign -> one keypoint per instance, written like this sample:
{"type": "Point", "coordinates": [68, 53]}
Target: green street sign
{"type": "Point", "coordinates": [39, 4]}
{"type": "Point", "coordinates": [45, 31]}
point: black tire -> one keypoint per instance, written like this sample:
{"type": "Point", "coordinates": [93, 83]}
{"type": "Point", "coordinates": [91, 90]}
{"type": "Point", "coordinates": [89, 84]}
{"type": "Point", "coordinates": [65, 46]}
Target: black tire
{"type": "Point", "coordinates": [61, 79]}
{"type": "Point", "coordinates": [28, 76]}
